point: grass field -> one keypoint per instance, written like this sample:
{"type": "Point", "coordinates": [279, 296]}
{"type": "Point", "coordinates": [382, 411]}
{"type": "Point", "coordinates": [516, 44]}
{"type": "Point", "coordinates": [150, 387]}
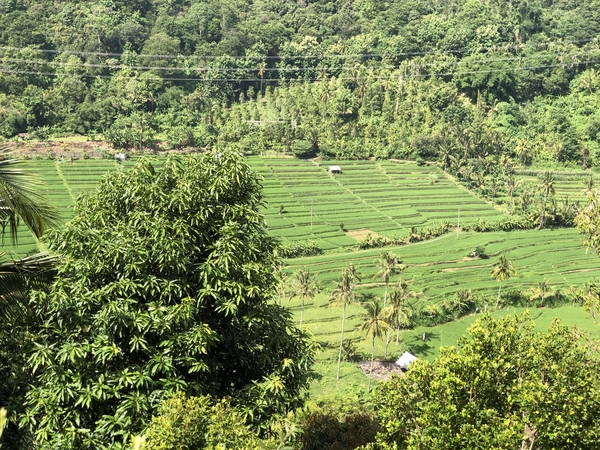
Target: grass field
{"type": "Point", "coordinates": [383, 197]}
{"type": "Point", "coordinates": [438, 269]}
{"type": "Point", "coordinates": [386, 198]}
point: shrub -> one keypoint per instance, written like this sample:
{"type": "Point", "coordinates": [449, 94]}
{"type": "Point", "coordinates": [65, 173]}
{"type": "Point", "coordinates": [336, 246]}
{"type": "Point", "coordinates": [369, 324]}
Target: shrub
{"type": "Point", "coordinates": [324, 431]}
{"type": "Point", "coordinates": [300, 248]}
{"type": "Point", "coordinates": [196, 423]}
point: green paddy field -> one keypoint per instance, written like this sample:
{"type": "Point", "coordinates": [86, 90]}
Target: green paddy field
{"type": "Point", "coordinates": [382, 198]}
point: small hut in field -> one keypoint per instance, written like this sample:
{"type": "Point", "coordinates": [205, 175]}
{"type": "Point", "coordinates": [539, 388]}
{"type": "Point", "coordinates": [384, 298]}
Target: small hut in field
{"type": "Point", "coordinates": [406, 360]}
{"type": "Point", "coordinates": [335, 170]}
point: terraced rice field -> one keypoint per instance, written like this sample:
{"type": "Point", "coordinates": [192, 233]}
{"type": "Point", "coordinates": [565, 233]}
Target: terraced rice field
{"type": "Point", "coordinates": [438, 269]}
{"type": "Point", "coordinates": [386, 198]}
{"type": "Point", "coordinates": [571, 184]}
{"type": "Point", "coordinates": [383, 197]}
{"type": "Point", "coordinates": [61, 184]}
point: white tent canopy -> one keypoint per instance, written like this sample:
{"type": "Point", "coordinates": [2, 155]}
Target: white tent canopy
{"type": "Point", "coordinates": [406, 360]}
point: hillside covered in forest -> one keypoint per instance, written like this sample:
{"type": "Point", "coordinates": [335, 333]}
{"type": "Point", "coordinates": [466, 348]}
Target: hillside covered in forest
{"type": "Point", "coordinates": [352, 79]}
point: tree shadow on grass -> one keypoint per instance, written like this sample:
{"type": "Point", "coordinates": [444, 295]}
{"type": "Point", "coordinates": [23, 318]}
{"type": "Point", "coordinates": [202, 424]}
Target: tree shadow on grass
{"type": "Point", "coordinates": [419, 347]}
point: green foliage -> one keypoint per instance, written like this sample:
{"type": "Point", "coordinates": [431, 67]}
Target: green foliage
{"type": "Point", "coordinates": [164, 285]}
{"type": "Point", "coordinates": [506, 388]}
{"type": "Point", "coordinates": [410, 94]}
{"type": "Point", "coordinates": [198, 423]}
{"type": "Point", "coordinates": [298, 249]}
{"type": "Point", "coordinates": [323, 430]}
{"type": "Point", "coordinates": [588, 221]}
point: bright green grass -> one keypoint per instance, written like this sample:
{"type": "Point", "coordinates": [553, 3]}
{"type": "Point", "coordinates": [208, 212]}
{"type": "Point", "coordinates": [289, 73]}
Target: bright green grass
{"type": "Point", "coordinates": [424, 342]}
{"type": "Point", "coordinates": [385, 197]}
{"type": "Point", "coordinates": [440, 267]}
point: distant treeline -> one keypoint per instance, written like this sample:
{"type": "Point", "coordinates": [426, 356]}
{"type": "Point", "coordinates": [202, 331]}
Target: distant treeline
{"type": "Point", "coordinates": [436, 80]}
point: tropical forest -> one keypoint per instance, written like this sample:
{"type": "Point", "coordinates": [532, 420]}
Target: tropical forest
{"type": "Point", "coordinates": [299, 224]}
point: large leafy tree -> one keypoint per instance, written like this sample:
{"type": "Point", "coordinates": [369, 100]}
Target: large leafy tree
{"type": "Point", "coordinates": [507, 387]}
{"type": "Point", "coordinates": [164, 285]}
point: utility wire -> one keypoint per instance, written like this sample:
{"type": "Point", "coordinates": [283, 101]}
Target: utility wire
{"type": "Point", "coordinates": [323, 56]}
{"type": "Point", "coordinates": [281, 69]}
{"type": "Point", "coordinates": [408, 75]}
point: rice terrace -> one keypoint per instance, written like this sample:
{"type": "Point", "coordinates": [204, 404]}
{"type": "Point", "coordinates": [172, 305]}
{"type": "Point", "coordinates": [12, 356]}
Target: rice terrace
{"type": "Point", "coordinates": [303, 203]}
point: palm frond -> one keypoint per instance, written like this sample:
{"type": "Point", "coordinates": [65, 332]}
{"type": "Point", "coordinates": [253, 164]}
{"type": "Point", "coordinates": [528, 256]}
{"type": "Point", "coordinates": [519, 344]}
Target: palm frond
{"type": "Point", "coordinates": [17, 279]}
{"type": "Point", "coordinates": [20, 201]}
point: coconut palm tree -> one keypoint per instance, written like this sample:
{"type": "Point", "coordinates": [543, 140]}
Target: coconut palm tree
{"type": "Point", "coordinates": [388, 267]}
{"type": "Point", "coordinates": [542, 290]}
{"type": "Point", "coordinates": [503, 270]}
{"type": "Point", "coordinates": [17, 278]}
{"type": "Point", "coordinates": [281, 288]}
{"type": "Point", "coordinates": [547, 189]}
{"type": "Point", "coordinates": [21, 203]}
{"type": "Point", "coordinates": [398, 310]}
{"type": "Point", "coordinates": [511, 183]}
{"type": "Point", "coordinates": [305, 287]}
{"type": "Point", "coordinates": [344, 295]}
{"type": "Point", "coordinates": [373, 326]}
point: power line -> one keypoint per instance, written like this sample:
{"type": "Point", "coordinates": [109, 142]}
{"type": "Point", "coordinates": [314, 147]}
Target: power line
{"type": "Point", "coordinates": [322, 56]}
{"type": "Point", "coordinates": [239, 80]}
{"type": "Point", "coordinates": [280, 69]}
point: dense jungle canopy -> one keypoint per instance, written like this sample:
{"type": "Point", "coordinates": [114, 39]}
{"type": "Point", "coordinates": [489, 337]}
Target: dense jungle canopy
{"type": "Point", "coordinates": [344, 78]}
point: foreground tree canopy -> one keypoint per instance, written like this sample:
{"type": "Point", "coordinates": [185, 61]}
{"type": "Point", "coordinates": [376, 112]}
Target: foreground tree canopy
{"type": "Point", "coordinates": [509, 387]}
{"type": "Point", "coordinates": [164, 286]}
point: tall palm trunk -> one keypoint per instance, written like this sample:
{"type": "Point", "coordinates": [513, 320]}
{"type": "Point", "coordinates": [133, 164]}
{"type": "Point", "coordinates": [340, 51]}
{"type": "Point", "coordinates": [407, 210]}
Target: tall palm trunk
{"type": "Point", "coordinates": [387, 343]}
{"type": "Point", "coordinates": [341, 343]}
{"type": "Point", "coordinates": [385, 294]}
{"type": "Point", "coordinates": [302, 312]}
{"type": "Point", "coordinates": [498, 300]}
{"type": "Point", "coordinates": [387, 339]}
{"type": "Point", "coordinates": [372, 357]}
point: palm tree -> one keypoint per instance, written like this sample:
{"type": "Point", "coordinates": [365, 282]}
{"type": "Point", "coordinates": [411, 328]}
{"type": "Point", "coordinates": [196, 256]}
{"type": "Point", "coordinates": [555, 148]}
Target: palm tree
{"type": "Point", "coordinates": [21, 203]}
{"type": "Point", "coordinates": [344, 295]}
{"type": "Point", "coordinates": [399, 311]}
{"type": "Point", "coordinates": [541, 291]}
{"type": "Point", "coordinates": [526, 199]}
{"type": "Point", "coordinates": [261, 73]}
{"type": "Point", "coordinates": [17, 278]}
{"type": "Point", "coordinates": [281, 288]}
{"type": "Point", "coordinates": [503, 270]}
{"type": "Point", "coordinates": [590, 183]}
{"type": "Point", "coordinates": [305, 287]}
{"type": "Point", "coordinates": [547, 188]}
{"type": "Point", "coordinates": [373, 326]}
{"type": "Point", "coordinates": [387, 263]}
{"type": "Point", "coordinates": [511, 183]}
